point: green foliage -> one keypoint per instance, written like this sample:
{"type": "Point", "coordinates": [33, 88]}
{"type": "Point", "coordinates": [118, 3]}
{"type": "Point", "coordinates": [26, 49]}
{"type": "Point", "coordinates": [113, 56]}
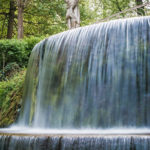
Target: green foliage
{"type": "Point", "coordinates": [44, 17]}
{"type": "Point", "coordinates": [113, 6]}
{"type": "Point", "coordinates": [32, 41]}
{"type": "Point", "coordinates": [13, 51]}
{"type": "Point", "coordinates": [16, 51]}
{"type": "Point", "coordinates": [89, 11]}
{"type": "Point", "coordinates": [41, 17]}
{"type": "Point", "coordinates": [9, 71]}
{"type": "Point", "coordinates": [10, 98]}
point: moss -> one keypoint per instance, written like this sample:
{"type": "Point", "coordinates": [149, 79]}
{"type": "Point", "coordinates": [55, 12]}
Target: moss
{"type": "Point", "coordinates": [10, 98]}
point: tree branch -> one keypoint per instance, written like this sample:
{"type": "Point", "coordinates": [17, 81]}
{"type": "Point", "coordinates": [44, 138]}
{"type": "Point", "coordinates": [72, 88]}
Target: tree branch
{"type": "Point", "coordinates": [124, 11]}
{"type": "Point", "coordinates": [3, 13]}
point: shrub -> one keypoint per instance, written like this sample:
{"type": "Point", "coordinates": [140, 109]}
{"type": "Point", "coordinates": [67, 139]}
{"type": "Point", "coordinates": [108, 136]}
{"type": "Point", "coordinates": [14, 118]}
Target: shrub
{"type": "Point", "coordinates": [12, 51]}
{"type": "Point", "coordinates": [10, 98]}
{"type": "Point", "coordinates": [9, 70]}
{"type": "Point", "coordinates": [16, 51]}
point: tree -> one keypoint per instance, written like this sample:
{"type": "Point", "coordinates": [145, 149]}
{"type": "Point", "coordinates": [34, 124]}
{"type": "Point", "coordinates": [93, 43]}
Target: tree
{"type": "Point", "coordinates": [140, 11]}
{"type": "Point", "coordinates": [111, 7]}
{"type": "Point", "coordinates": [4, 11]}
{"type": "Point", "coordinates": [11, 18]}
{"type": "Point", "coordinates": [21, 4]}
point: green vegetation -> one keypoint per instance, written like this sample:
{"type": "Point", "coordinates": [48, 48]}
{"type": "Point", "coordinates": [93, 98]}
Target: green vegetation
{"type": "Point", "coordinates": [10, 97]}
{"type": "Point", "coordinates": [16, 51]}
{"type": "Point", "coordinates": [15, 55]}
{"type": "Point", "coordinates": [40, 17]}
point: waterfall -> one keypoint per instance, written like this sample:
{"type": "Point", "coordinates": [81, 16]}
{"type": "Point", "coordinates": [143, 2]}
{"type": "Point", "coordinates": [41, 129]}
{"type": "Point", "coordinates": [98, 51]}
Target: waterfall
{"type": "Point", "coordinates": [90, 80]}
{"type": "Point", "coordinates": [96, 76]}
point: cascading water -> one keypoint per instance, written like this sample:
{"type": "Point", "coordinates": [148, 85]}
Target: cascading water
{"type": "Point", "coordinates": [93, 77]}
{"type": "Point", "coordinates": [96, 76]}
{"type": "Point", "coordinates": [75, 143]}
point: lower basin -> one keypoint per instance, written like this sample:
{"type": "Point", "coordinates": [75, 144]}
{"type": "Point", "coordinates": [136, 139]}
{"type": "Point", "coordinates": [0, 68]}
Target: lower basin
{"type": "Point", "coordinates": [67, 139]}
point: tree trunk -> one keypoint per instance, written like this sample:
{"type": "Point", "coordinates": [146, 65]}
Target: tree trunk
{"type": "Point", "coordinates": [140, 11]}
{"type": "Point", "coordinates": [20, 19]}
{"type": "Point", "coordinates": [11, 19]}
{"type": "Point", "coordinates": [3, 26]}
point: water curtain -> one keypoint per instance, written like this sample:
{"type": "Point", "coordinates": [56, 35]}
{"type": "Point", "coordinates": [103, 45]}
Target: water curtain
{"type": "Point", "coordinates": [96, 76]}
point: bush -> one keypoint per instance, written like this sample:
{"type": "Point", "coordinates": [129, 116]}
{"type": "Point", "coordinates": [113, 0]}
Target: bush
{"type": "Point", "coordinates": [16, 51]}
{"type": "Point", "coordinates": [12, 51]}
{"type": "Point", "coordinates": [8, 71]}
{"type": "Point", "coordinates": [10, 98]}
{"type": "Point", "coordinates": [14, 56]}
